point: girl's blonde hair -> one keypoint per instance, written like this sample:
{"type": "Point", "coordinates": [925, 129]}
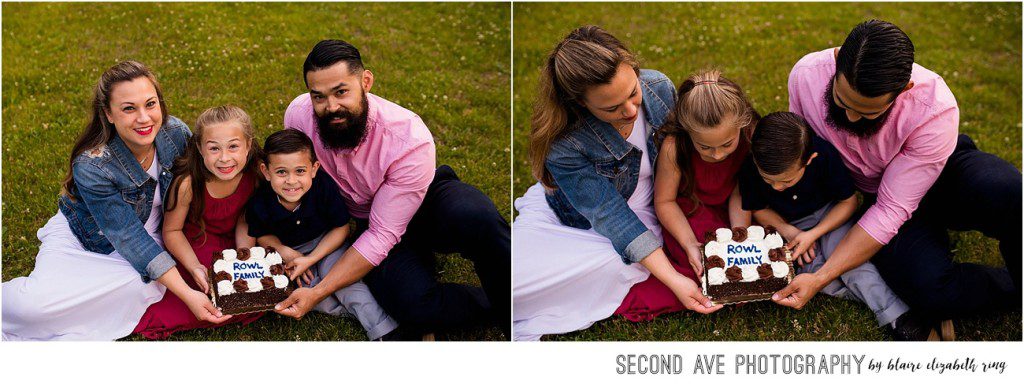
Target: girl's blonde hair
{"type": "Point", "coordinates": [587, 57]}
{"type": "Point", "coordinates": [703, 101]}
{"type": "Point", "coordinates": [191, 163]}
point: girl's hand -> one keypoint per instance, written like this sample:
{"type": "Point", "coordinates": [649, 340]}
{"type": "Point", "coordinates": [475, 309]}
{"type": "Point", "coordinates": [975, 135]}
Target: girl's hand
{"type": "Point", "coordinates": [689, 293]}
{"type": "Point", "coordinates": [693, 254]}
{"type": "Point", "coordinates": [299, 267]}
{"type": "Point", "coordinates": [203, 308]}
{"type": "Point", "coordinates": [288, 254]}
{"type": "Point", "coordinates": [803, 247]}
{"type": "Point", "coordinates": [200, 275]}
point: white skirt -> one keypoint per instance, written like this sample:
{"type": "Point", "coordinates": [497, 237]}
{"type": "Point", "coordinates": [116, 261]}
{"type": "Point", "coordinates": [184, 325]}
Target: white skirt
{"type": "Point", "coordinates": [564, 278]}
{"type": "Point", "coordinates": [75, 294]}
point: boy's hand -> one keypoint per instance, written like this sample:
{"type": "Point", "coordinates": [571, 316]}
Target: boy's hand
{"type": "Point", "coordinates": [789, 232]}
{"type": "Point", "coordinates": [693, 254]}
{"type": "Point", "coordinates": [288, 254]}
{"type": "Point", "coordinates": [803, 247]}
{"type": "Point", "coordinates": [299, 267]}
{"type": "Point", "coordinates": [200, 275]}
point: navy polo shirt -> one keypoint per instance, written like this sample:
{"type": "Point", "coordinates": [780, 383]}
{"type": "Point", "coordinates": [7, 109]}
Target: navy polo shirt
{"type": "Point", "coordinates": [320, 210]}
{"type": "Point", "coordinates": [826, 180]}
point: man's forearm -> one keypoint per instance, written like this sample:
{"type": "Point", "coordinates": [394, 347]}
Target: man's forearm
{"type": "Point", "coordinates": [349, 269]}
{"type": "Point", "coordinates": [855, 249]}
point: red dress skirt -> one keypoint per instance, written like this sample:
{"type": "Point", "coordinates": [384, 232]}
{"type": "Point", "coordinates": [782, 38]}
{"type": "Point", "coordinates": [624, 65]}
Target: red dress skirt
{"type": "Point", "coordinates": [170, 314]}
{"type": "Point", "coordinates": [714, 184]}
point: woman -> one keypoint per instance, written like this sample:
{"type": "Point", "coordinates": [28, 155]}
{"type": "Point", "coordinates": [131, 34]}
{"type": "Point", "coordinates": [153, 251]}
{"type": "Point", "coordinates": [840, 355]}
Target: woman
{"type": "Point", "coordinates": [588, 232]}
{"type": "Point", "coordinates": [99, 253]}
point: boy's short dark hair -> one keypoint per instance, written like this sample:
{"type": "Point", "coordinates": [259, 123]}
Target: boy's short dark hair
{"type": "Point", "coordinates": [780, 140]}
{"type": "Point", "coordinates": [288, 141]}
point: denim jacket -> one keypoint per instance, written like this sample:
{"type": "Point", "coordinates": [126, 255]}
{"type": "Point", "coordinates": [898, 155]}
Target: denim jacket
{"type": "Point", "coordinates": [596, 170]}
{"type": "Point", "coordinates": [114, 196]}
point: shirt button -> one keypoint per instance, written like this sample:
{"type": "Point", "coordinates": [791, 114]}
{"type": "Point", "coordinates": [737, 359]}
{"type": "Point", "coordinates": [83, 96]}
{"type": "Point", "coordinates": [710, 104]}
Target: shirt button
{"type": "Point", "coordinates": [794, 197]}
{"type": "Point", "coordinates": [297, 222]}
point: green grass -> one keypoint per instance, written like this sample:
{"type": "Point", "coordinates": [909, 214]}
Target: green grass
{"type": "Point", "coordinates": [975, 47]}
{"type": "Point", "coordinates": [447, 62]}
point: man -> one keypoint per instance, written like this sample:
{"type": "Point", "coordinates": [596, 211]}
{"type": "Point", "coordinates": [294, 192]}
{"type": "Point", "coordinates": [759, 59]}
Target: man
{"type": "Point", "coordinates": [895, 124]}
{"type": "Point", "coordinates": [382, 158]}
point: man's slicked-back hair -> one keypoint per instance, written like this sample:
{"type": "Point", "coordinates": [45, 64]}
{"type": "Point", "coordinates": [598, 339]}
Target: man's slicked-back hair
{"type": "Point", "coordinates": [329, 52]}
{"type": "Point", "coordinates": [876, 58]}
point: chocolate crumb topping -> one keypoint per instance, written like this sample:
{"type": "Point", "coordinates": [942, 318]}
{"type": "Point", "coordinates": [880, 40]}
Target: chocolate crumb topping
{"type": "Point", "coordinates": [268, 282]}
{"type": "Point", "coordinates": [709, 236]}
{"type": "Point", "coordinates": [243, 254]}
{"type": "Point", "coordinates": [777, 254]}
{"type": "Point", "coordinates": [764, 271]}
{"type": "Point", "coordinates": [739, 234]}
{"type": "Point", "coordinates": [277, 269]}
{"type": "Point", "coordinates": [218, 255]}
{"type": "Point", "coordinates": [221, 276]}
{"type": "Point", "coordinates": [714, 262]}
{"type": "Point", "coordinates": [240, 286]}
{"type": "Point", "coordinates": [734, 273]}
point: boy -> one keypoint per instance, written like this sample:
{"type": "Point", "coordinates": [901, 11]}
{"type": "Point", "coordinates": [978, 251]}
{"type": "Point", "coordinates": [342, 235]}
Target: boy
{"type": "Point", "coordinates": [797, 182]}
{"type": "Point", "coordinates": [302, 215]}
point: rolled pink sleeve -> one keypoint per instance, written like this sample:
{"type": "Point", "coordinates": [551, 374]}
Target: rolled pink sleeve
{"type": "Point", "coordinates": [396, 202]}
{"type": "Point", "coordinates": [910, 175]}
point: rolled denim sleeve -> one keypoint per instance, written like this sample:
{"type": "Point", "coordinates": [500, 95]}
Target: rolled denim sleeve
{"type": "Point", "coordinates": [594, 197]}
{"type": "Point", "coordinates": [119, 223]}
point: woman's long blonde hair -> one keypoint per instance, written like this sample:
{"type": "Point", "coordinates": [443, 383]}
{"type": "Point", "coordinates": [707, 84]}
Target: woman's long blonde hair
{"type": "Point", "coordinates": [588, 56]}
{"type": "Point", "coordinates": [703, 101]}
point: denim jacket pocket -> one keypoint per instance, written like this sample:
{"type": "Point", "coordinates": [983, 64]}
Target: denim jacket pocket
{"type": "Point", "coordinates": [136, 198]}
{"type": "Point", "coordinates": [614, 170]}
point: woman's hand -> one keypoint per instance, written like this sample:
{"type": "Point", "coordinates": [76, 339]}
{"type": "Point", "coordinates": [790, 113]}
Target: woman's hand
{"type": "Point", "coordinates": [200, 275]}
{"type": "Point", "coordinates": [202, 308]}
{"type": "Point", "coordinates": [803, 247]}
{"type": "Point", "coordinates": [299, 267]}
{"type": "Point", "coordinates": [693, 255]}
{"type": "Point", "coordinates": [689, 293]}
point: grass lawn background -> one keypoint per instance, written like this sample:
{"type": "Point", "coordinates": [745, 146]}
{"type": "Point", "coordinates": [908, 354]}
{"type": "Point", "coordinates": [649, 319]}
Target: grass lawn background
{"type": "Point", "coordinates": [974, 47]}
{"type": "Point", "coordinates": [449, 63]}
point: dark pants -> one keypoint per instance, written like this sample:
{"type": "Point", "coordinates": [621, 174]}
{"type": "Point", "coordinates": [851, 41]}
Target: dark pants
{"type": "Point", "coordinates": [455, 217]}
{"type": "Point", "coordinates": [975, 191]}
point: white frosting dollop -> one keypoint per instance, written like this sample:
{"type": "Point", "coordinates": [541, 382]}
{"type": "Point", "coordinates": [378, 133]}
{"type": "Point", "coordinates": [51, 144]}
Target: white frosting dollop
{"type": "Point", "coordinates": [254, 285]}
{"type": "Point", "coordinates": [274, 258]}
{"type": "Point", "coordinates": [221, 265]}
{"type": "Point", "coordinates": [714, 248]}
{"type": "Point", "coordinates": [225, 288]}
{"type": "Point", "coordinates": [750, 273]}
{"type": "Point", "coordinates": [780, 269]}
{"type": "Point", "coordinates": [723, 235]}
{"type": "Point", "coordinates": [716, 276]}
{"type": "Point", "coordinates": [229, 254]}
{"type": "Point", "coordinates": [755, 233]}
{"type": "Point", "coordinates": [280, 281]}
{"type": "Point", "coordinates": [257, 252]}
{"type": "Point", "coordinates": [773, 241]}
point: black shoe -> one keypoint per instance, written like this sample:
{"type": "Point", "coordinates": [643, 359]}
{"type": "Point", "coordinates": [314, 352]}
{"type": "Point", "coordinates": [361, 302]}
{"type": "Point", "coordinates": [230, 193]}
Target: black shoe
{"type": "Point", "coordinates": [911, 328]}
{"type": "Point", "coordinates": [403, 334]}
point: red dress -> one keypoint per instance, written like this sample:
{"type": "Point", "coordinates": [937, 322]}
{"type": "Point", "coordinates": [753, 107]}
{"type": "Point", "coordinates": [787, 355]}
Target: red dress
{"type": "Point", "coordinates": [714, 184]}
{"type": "Point", "coordinates": [170, 314]}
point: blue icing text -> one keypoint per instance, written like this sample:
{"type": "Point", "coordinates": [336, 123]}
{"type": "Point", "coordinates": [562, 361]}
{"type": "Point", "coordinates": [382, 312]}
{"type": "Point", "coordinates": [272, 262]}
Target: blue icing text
{"type": "Point", "coordinates": [752, 260]}
{"type": "Point", "coordinates": [257, 271]}
{"type": "Point", "coordinates": [732, 249]}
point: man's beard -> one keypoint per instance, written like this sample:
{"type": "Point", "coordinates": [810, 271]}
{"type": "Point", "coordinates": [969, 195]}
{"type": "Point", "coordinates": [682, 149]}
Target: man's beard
{"type": "Point", "coordinates": [347, 134]}
{"type": "Point", "coordinates": [864, 127]}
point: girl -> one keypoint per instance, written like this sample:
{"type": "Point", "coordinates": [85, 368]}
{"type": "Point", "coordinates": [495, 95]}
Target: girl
{"type": "Point", "coordinates": [99, 254]}
{"type": "Point", "coordinates": [705, 141]}
{"type": "Point", "coordinates": [213, 181]}
{"type": "Point", "coordinates": [587, 231]}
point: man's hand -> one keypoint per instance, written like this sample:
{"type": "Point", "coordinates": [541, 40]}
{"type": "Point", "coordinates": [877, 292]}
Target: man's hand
{"type": "Point", "coordinates": [299, 303]}
{"type": "Point", "coordinates": [799, 291]}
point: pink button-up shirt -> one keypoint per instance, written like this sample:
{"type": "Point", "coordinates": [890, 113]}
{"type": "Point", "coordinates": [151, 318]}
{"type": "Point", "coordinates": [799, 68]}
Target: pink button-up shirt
{"type": "Point", "coordinates": [384, 178]}
{"type": "Point", "coordinates": [900, 162]}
